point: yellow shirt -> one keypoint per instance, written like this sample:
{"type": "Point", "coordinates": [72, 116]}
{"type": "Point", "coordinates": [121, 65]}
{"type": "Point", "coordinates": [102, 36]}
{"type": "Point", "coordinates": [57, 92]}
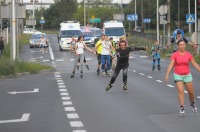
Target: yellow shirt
{"type": "Point", "coordinates": [99, 44]}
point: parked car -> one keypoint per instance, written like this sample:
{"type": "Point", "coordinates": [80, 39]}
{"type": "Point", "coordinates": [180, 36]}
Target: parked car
{"type": "Point", "coordinates": [35, 38]}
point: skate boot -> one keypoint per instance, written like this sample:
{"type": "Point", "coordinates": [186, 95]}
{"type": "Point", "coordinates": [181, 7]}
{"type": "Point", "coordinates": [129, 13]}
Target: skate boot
{"type": "Point", "coordinates": [194, 108]}
{"type": "Point", "coordinates": [87, 67]}
{"type": "Point", "coordinates": [125, 87]}
{"type": "Point", "coordinates": [72, 75]}
{"type": "Point", "coordinates": [109, 87]}
{"type": "Point", "coordinates": [159, 67]}
{"type": "Point", "coordinates": [182, 111]}
{"type": "Point", "coordinates": [153, 68]}
{"type": "Point", "coordinates": [98, 72]}
{"type": "Point", "coordinates": [81, 74]}
{"type": "Point", "coordinates": [77, 67]}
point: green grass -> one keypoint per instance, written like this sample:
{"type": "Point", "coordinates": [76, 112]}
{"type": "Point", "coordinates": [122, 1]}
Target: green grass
{"type": "Point", "coordinates": [7, 67]}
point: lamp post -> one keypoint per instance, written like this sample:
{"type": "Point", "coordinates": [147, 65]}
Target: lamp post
{"type": "Point", "coordinates": [33, 16]}
{"type": "Point", "coordinates": [135, 14]}
{"type": "Point", "coordinates": [84, 13]}
{"type": "Point", "coordinates": [157, 21]}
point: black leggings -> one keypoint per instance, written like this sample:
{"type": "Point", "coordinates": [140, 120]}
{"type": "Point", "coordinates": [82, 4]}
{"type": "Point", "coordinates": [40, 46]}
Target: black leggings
{"type": "Point", "coordinates": [116, 73]}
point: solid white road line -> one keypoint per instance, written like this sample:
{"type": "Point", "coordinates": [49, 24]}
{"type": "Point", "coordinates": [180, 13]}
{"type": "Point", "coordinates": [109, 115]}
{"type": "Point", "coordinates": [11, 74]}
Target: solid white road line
{"type": "Point", "coordinates": [76, 124]}
{"type": "Point", "coordinates": [64, 94]}
{"type": "Point", "coordinates": [67, 103]}
{"type": "Point", "coordinates": [65, 98]}
{"type": "Point", "coordinates": [158, 80]}
{"type": "Point", "coordinates": [51, 52]}
{"type": "Point", "coordinates": [36, 90]}
{"type": "Point", "coordinates": [149, 77]}
{"type": "Point", "coordinates": [70, 109]}
{"type": "Point", "coordinates": [142, 74]}
{"type": "Point", "coordinates": [25, 117]}
{"type": "Point", "coordinates": [170, 86]}
{"type": "Point", "coordinates": [72, 116]}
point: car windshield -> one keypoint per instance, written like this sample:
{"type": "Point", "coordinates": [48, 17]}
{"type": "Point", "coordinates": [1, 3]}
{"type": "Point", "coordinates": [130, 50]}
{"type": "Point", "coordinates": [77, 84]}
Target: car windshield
{"type": "Point", "coordinates": [37, 36]}
{"type": "Point", "coordinates": [87, 34]}
{"type": "Point", "coordinates": [114, 31]}
{"type": "Point", "coordinates": [97, 33]}
{"type": "Point", "coordinates": [70, 33]}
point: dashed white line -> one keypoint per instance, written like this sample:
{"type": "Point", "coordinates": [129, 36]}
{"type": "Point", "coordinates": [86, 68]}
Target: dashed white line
{"type": "Point", "coordinates": [60, 81]}
{"type": "Point", "coordinates": [149, 77]}
{"type": "Point", "coordinates": [170, 86]}
{"type": "Point", "coordinates": [76, 124]}
{"type": "Point", "coordinates": [79, 131]}
{"type": "Point", "coordinates": [62, 86]}
{"type": "Point", "coordinates": [65, 98]}
{"type": "Point", "coordinates": [185, 91]}
{"type": "Point", "coordinates": [63, 90]}
{"type": "Point", "coordinates": [198, 97]}
{"type": "Point", "coordinates": [67, 103]}
{"type": "Point", "coordinates": [159, 81]}
{"type": "Point", "coordinates": [57, 76]}
{"type": "Point", "coordinates": [63, 94]}
{"type": "Point", "coordinates": [134, 70]}
{"type": "Point", "coordinates": [69, 109]}
{"type": "Point", "coordinates": [72, 116]}
{"type": "Point", "coordinates": [142, 74]}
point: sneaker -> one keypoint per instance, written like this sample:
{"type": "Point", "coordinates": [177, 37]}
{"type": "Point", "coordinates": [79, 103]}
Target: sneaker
{"type": "Point", "coordinates": [103, 73]}
{"type": "Point", "coordinates": [194, 108]}
{"type": "Point", "coordinates": [159, 67]}
{"type": "Point", "coordinates": [125, 87]}
{"type": "Point", "coordinates": [77, 67]}
{"type": "Point", "coordinates": [109, 87]}
{"type": "Point", "coordinates": [87, 67]}
{"type": "Point", "coordinates": [153, 68]}
{"type": "Point", "coordinates": [108, 73]}
{"type": "Point", "coordinates": [98, 72]}
{"type": "Point", "coordinates": [182, 111]}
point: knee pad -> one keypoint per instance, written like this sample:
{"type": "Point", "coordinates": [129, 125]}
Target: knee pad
{"type": "Point", "coordinates": [99, 62]}
{"type": "Point", "coordinates": [158, 59]}
{"type": "Point", "coordinates": [154, 60]}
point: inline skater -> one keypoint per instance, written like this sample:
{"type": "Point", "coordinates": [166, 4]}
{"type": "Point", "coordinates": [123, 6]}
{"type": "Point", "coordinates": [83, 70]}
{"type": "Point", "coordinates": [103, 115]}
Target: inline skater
{"type": "Point", "coordinates": [156, 55]}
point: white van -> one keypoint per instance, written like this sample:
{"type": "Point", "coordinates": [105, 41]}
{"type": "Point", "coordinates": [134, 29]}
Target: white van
{"type": "Point", "coordinates": [114, 29]}
{"type": "Point", "coordinates": [68, 29]}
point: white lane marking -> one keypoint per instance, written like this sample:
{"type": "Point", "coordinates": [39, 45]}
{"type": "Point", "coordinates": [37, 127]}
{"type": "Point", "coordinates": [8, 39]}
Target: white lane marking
{"type": "Point", "coordinates": [70, 109]}
{"type": "Point", "coordinates": [149, 76]}
{"type": "Point", "coordinates": [51, 52]}
{"type": "Point", "coordinates": [76, 124]}
{"type": "Point", "coordinates": [131, 57]}
{"type": "Point", "coordinates": [32, 51]}
{"type": "Point", "coordinates": [72, 59]}
{"type": "Point", "coordinates": [60, 60]}
{"type": "Point", "coordinates": [198, 97]}
{"type": "Point", "coordinates": [57, 76]}
{"type": "Point", "coordinates": [66, 98]}
{"type": "Point", "coordinates": [25, 117]}
{"type": "Point", "coordinates": [142, 74]}
{"type": "Point", "coordinates": [129, 69]}
{"type": "Point", "coordinates": [88, 58]}
{"type": "Point", "coordinates": [36, 90]}
{"type": "Point", "coordinates": [63, 90]}
{"type": "Point", "coordinates": [67, 103]}
{"type": "Point", "coordinates": [143, 56]}
{"type": "Point", "coordinates": [46, 60]}
{"type": "Point", "coordinates": [158, 80]}
{"type": "Point", "coordinates": [170, 86]}
{"type": "Point", "coordinates": [79, 131]}
{"type": "Point", "coordinates": [185, 92]}
{"type": "Point", "coordinates": [57, 73]}
{"type": "Point", "coordinates": [134, 70]}
{"type": "Point", "coordinates": [59, 81]}
{"type": "Point", "coordinates": [62, 86]}
{"type": "Point", "coordinates": [63, 94]}
{"type": "Point", "coordinates": [72, 116]}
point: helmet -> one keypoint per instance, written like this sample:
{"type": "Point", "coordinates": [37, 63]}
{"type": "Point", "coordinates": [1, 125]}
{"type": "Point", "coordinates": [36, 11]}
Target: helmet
{"type": "Point", "coordinates": [178, 32]}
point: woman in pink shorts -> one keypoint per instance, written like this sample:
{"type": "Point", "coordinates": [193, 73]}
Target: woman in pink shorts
{"type": "Point", "coordinates": [182, 75]}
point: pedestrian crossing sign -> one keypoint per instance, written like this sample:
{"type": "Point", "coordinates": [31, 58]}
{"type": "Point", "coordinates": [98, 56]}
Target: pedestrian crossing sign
{"type": "Point", "coordinates": [190, 18]}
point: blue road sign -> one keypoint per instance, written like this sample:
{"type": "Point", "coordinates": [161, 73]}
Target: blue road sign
{"type": "Point", "coordinates": [147, 20]}
{"type": "Point", "coordinates": [132, 17]}
{"type": "Point", "coordinates": [42, 21]}
{"type": "Point", "coordinates": [190, 18]}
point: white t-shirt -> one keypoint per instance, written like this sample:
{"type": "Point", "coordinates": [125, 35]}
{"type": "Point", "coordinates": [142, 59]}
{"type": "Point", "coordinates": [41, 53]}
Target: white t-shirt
{"type": "Point", "coordinates": [106, 47]}
{"type": "Point", "coordinates": [42, 41]}
{"type": "Point", "coordinates": [80, 47]}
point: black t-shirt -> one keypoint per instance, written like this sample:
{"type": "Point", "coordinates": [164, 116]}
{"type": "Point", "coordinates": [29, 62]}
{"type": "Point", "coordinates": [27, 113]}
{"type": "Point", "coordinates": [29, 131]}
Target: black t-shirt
{"type": "Point", "coordinates": [123, 55]}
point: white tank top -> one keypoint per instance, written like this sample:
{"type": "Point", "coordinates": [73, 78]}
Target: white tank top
{"type": "Point", "coordinates": [80, 47]}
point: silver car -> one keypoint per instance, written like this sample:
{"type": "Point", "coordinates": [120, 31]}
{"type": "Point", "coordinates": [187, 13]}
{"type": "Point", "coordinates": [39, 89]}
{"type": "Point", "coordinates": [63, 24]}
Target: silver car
{"type": "Point", "coordinates": [35, 38]}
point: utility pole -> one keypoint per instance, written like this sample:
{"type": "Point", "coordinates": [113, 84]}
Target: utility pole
{"type": "Point", "coordinates": [190, 25]}
{"type": "Point", "coordinates": [84, 13]}
{"type": "Point", "coordinates": [195, 7]}
{"type": "Point", "coordinates": [157, 14]}
{"type": "Point", "coordinates": [34, 16]}
{"type": "Point", "coordinates": [178, 13]}
{"type": "Point", "coordinates": [169, 20]}
{"type": "Point", "coordinates": [135, 14]}
{"type": "Point", "coordinates": [13, 51]}
{"type": "Point", "coordinates": [142, 13]}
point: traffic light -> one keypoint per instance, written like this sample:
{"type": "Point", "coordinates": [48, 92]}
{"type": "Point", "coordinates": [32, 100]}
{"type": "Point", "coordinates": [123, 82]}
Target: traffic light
{"type": "Point", "coordinates": [198, 9]}
{"type": "Point", "coordinates": [165, 16]}
{"type": "Point", "coordinates": [5, 23]}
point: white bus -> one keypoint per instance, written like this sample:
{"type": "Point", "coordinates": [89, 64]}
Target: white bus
{"type": "Point", "coordinates": [114, 29]}
{"type": "Point", "coordinates": [68, 29]}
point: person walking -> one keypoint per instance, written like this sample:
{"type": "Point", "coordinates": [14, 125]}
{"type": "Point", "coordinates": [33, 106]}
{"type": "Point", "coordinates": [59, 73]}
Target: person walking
{"type": "Point", "coordinates": [98, 48]}
{"type": "Point", "coordinates": [182, 76]}
{"type": "Point", "coordinates": [155, 49]}
{"type": "Point", "coordinates": [79, 49]}
{"type": "Point", "coordinates": [122, 63]}
{"type": "Point", "coordinates": [1, 47]}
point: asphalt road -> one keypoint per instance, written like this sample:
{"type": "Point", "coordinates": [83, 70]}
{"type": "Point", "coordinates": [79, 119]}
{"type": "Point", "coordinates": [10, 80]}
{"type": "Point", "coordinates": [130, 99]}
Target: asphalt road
{"type": "Point", "coordinates": [51, 101]}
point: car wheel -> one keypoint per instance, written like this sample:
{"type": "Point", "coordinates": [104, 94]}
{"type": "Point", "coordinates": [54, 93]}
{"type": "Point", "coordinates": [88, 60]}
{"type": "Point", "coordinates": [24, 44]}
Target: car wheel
{"type": "Point", "coordinates": [31, 46]}
{"type": "Point", "coordinates": [60, 48]}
